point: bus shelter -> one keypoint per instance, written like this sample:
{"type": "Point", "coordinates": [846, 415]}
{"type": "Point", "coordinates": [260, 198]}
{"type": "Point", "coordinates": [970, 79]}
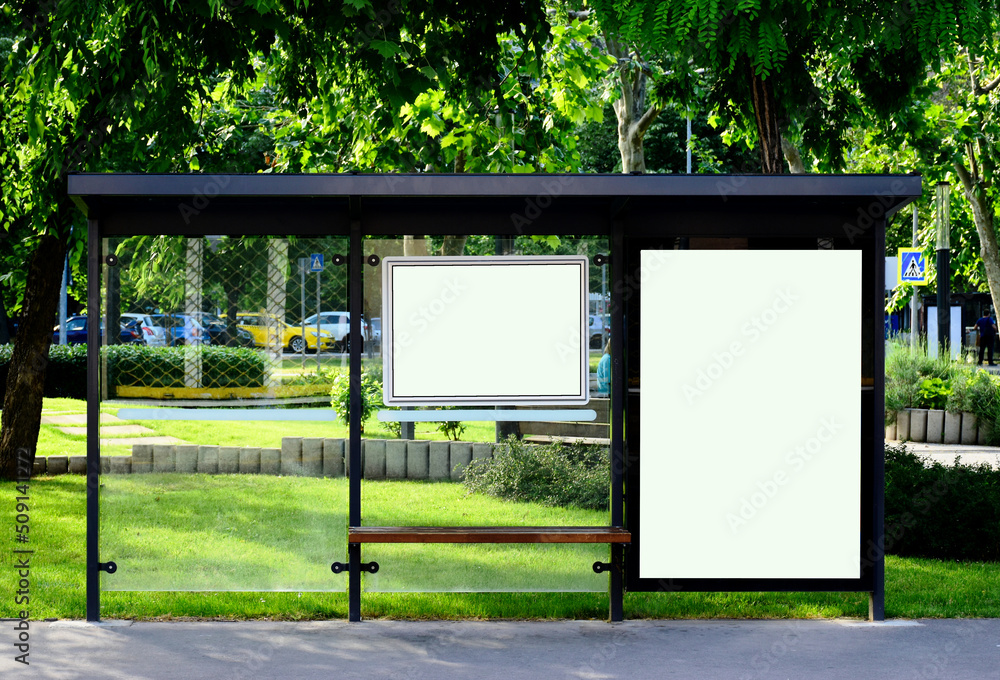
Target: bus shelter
{"type": "Point", "coordinates": [738, 415]}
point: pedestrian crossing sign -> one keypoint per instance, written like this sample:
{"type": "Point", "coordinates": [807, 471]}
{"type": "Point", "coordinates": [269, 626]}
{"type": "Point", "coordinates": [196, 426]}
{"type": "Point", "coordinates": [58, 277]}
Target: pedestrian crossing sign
{"type": "Point", "coordinates": [912, 266]}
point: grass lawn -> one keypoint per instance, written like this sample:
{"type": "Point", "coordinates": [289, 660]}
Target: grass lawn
{"type": "Point", "coordinates": [243, 531]}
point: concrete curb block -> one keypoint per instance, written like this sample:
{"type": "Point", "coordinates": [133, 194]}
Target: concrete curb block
{"type": "Point", "coordinates": [400, 459]}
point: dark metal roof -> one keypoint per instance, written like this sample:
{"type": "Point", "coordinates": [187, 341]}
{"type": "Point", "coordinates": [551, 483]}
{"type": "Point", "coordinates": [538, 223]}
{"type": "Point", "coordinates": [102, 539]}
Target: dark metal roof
{"type": "Point", "coordinates": [495, 204]}
{"type": "Point", "coordinates": [426, 185]}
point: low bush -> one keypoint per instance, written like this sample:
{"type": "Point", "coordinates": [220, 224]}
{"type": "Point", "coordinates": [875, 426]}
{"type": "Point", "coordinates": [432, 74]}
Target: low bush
{"type": "Point", "coordinates": [65, 376]}
{"type": "Point", "coordinates": [164, 366]}
{"type": "Point", "coordinates": [574, 475]}
{"type": "Point", "coordinates": [944, 512]}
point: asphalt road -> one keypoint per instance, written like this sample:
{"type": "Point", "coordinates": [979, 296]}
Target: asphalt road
{"type": "Point", "coordinates": [740, 650]}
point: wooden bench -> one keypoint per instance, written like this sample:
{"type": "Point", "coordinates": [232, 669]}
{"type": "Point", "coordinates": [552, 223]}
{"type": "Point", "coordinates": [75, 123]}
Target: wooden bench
{"type": "Point", "coordinates": [488, 535]}
{"type": "Point", "coordinates": [597, 431]}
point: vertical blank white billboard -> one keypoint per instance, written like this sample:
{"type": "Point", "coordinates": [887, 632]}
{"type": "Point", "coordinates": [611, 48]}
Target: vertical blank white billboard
{"type": "Point", "coordinates": [750, 414]}
{"type": "Point", "coordinates": [485, 330]}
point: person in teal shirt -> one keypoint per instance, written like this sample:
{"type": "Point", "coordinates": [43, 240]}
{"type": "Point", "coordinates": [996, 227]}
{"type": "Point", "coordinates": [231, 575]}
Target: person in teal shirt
{"type": "Point", "coordinates": [604, 372]}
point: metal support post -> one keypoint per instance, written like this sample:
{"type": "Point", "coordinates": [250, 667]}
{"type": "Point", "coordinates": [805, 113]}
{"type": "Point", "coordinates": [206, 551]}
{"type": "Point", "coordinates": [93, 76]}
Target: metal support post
{"type": "Point", "coordinates": [93, 419]}
{"type": "Point", "coordinates": [356, 291]}
{"type": "Point", "coordinates": [617, 584]}
{"type": "Point", "coordinates": [876, 601]}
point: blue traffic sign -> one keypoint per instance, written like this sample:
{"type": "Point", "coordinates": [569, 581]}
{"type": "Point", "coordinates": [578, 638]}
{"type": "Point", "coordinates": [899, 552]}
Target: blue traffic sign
{"type": "Point", "coordinates": [912, 266]}
{"type": "Point", "coordinates": [316, 262]}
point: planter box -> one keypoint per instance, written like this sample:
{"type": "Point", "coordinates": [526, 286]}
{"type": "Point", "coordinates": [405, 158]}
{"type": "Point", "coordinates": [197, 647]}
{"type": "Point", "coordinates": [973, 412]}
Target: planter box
{"type": "Point", "coordinates": [969, 428]}
{"type": "Point", "coordinates": [935, 426]}
{"type": "Point", "coordinates": [952, 427]}
{"type": "Point", "coordinates": [918, 425]}
{"type": "Point", "coordinates": [903, 425]}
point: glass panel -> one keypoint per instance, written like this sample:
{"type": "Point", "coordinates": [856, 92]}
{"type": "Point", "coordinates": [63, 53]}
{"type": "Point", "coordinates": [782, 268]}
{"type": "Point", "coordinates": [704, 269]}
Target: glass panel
{"type": "Point", "coordinates": [415, 473]}
{"type": "Point", "coordinates": [226, 470]}
{"type": "Point", "coordinates": [470, 567]}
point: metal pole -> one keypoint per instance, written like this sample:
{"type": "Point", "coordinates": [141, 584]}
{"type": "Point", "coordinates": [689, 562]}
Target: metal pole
{"type": "Point", "coordinates": [318, 361]}
{"type": "Point", "coordinates": [617, 419]}
{"type": "Point", "coordinates": [93, 420]}
{"type": "Point", "coordinates": [944, 266]}
{"type": "Point", "coordinates": [914, 301]}
{"type": "Point", "coordinates": [876, 600]}
{"type": "Point", "coordinates": [62, 302]}
{"type": "Point", "coordinates": [356, 291]}
{"type": "Point", "coordinates": [689, 141]}
{"type": "Point", "coordinates": [302, 307]}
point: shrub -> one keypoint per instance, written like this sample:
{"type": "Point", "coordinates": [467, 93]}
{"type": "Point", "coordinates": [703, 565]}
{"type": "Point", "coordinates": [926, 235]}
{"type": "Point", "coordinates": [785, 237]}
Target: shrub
{"type": "Point", "coordinates": [164, 366]}
{"type": "Point", "coordinates": [934, 393]}
{"type": "Point", "coordinates": [65, 376]}
{"type": "Point", "coordinates": [371, 396]}
{"type": "Point", "coordinates": [551, 474]}
{"type": "Point", "coordinates": [945, 512]}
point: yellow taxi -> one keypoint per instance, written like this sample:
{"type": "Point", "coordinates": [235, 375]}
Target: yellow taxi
{"type": "Point", "coordinates": [281, 333]}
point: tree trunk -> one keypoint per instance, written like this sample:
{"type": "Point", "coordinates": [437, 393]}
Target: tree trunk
{"type": "Point", "coordinates": [22, 407]}
{"type": "Point", "coordinates": [415, 246]}
{"type": "Point", "coordinates": [634, 118]}
{"type": "Point", "coordinates": [765, 113]}
{"type": "Point", "coordinates": [454, 245]}
{"type": "Point", "coordinates": [982, 215]}
{"type": "Point", "coordinates": [794, 158]}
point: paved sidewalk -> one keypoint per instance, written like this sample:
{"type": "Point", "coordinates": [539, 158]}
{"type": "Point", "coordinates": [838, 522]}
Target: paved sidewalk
{"type": "Point", "coordinates": [736, 650]}
{"type": "Point", "coordinates": [946, 453]}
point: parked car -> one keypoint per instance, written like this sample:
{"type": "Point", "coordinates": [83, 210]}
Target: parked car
{"type": "Point", "coordinates": [154, 334]}
{"type": "Point", "coordinates": [217, 331]}
{"type": "Point", "coordinates": [290, 336]}
{"type": "Point", "coordinates": [600, 328]}
{"type": "Point", "coordinates": [181, 329]}
{"type": "Point", "coordinates": [76, 332]}
{"type": "Point", "coordinates": [338, 325]}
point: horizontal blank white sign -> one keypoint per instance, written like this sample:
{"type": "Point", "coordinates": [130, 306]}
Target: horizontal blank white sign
{"type": "Point", "coordinates": [750, 414]}
{"type": "Point", "coordinates": [485, 330]}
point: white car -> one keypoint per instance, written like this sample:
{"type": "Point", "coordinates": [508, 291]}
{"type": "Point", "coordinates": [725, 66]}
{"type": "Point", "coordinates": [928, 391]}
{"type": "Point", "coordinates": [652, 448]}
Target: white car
{"type": "Point", "coordinates": [154, 334]}
{"type": "Point", "coordinates": [338, 324]}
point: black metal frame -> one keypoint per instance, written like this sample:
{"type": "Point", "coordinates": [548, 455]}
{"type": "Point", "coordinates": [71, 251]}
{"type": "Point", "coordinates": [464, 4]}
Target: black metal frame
{"type": "Point", "coordinates": [622, 207]}
{"type": "Point", "coordinates": [871, 578]}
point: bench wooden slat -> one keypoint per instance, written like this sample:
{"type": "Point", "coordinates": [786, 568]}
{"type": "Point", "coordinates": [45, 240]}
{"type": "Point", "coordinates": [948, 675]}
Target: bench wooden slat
{"type": "Point", "coordinates": [488, 535]}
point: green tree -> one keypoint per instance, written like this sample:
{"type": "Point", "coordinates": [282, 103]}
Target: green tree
{"type": "Point", "coordinates": [802, 70]}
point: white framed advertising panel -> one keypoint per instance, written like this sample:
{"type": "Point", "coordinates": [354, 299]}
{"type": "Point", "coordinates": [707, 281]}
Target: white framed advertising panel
{"type": "Point", "coordinates": [485, 330]}
{"type": "Point", "coordinates": [751, 414]}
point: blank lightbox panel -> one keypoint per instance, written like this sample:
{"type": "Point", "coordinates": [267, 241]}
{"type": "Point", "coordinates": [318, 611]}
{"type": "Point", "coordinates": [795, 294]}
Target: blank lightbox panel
{"type": "Point", "coordinates": [485, 330]}
{"type": "Point", "coordinates": [750, 414]}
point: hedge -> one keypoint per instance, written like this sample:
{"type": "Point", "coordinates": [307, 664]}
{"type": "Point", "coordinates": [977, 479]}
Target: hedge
{"type": "Point", "coordinates": [66, 375]}
{"type": "Point", "coordinates": [946, 512]}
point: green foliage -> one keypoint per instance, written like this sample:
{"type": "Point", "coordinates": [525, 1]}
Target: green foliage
{"type": "Point", "coordinates": [164, 366]}
{"type": "Point", "coordinates": [905, 372]}
{"type": "Point", "coordinates": [66, 375]}
{"type": "Point", "coordinates": [947, 512]}
{"type": "Point", "coordinates": [371, 396]}
{"type": "Point", "coordinates": [934, 393]}
{"type": "Point", "coordinates": [553, 474]}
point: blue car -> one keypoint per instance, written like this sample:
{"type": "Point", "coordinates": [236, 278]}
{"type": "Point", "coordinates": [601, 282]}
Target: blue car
{"type": "Point", "coordinates": [182, 329]}
{"type": "Point", "coordinates": [76, 332]}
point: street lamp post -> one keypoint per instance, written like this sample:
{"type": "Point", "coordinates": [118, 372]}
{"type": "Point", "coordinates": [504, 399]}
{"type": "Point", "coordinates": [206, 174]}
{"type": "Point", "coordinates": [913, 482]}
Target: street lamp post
{"type": "Point", "coordinates": [943, 264]}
